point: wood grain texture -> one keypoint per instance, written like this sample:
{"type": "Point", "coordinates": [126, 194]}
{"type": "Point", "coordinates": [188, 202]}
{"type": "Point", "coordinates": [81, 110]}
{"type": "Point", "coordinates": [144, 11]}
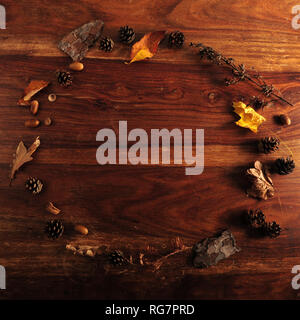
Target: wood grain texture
{"type": "Point", "coordinates": [141, 209]}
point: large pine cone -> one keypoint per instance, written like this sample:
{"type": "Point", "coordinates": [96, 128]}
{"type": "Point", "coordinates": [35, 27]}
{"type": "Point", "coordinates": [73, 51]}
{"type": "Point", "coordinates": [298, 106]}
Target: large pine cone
{"type": "Point", "coordinates": [272, 229]}
{"type": "Point", "coordinates": [268, 144]}
{"type": "Point", "coordinates": [255, 218]}
{"type": "Point", "coordinates": [106, 44]}
{"type": "Point", "coordinates": [176, 39]}
{"type": "Point", "coordinates": [126, 34]}
{"type": "Point", "coordinates": [54, 228]}
{"type": "Point", "coordinates": [284, 166]}
{"type": "Point", "coordinates": [34, 185]}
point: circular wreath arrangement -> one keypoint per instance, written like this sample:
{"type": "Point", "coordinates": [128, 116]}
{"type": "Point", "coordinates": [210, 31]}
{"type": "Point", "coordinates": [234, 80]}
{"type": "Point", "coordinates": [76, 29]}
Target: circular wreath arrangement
{"type": "Point", "coordinates": [260, 185]}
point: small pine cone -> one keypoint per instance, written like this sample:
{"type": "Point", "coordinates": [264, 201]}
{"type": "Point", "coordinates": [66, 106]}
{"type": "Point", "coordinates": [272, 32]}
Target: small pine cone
{"type": "Point", "coordinates": [268, 144]}
{"type": "Point", "coordinates": [126, 34]}
{"type": "Point", "coordinates": [176, 39]}
{"type": "Point", "coordinates": [284, 166]}
{"type": "Point", "coordinates": [106, 44]}
{"type": "Point", "coordinates": [54, 228]}
{"type": "Point", "coordinates": [34, 185]}
{"type": "Point", "coordinates": [258, 103]}
{"type": "Point", "coordinates": [117, 258]}
{"type": "Point", "coordinates": [272, 229]}
{"type": "Point", "coordinates": [64, 78]}
{"type": "Point", "coordinates": [255, 218]}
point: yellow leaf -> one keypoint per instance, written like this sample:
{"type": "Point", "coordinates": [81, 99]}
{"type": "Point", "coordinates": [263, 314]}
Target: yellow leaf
{"type": "Point", "coordinates": [147, 46]}
{"type": "Point", "coordinates": [249, 117]}
{"type": "Point", "coordinates": [141, 55]}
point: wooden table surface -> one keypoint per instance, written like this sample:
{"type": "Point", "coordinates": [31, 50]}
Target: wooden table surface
{"type": "Point", "coordinates": [142, 209]}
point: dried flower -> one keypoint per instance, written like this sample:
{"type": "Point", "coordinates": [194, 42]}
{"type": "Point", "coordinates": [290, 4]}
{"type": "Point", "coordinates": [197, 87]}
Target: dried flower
{"type": "Point", "coordinates": [261, 185]}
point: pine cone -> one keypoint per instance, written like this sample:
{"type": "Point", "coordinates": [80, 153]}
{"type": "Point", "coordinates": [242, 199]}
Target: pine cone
{"type": "Point", "coordinates": [64, 78]}
{"type": "Point", "coordinates": [54, 228]}
{"type": "Point", "coordinates": [268, 144]}
{"type": "Point", "coordinates": [272, 229]}
{"type": "Point", "coordinates": [258, 103]}
{"type": "Point", "coordinates": [284, 166]}
{"type": "Point", "coordinates": [176, 39]}
{"type": "Point", "coordinates": [34, 185]}
{"type": "Point", "coordinates": [117, 258]}
{"type": "Point", "coordinates": [126, 34]}
{"type": "Point", "coordinates": [255, 218]}
{"type": "Point", "coordinates": [106, 44]}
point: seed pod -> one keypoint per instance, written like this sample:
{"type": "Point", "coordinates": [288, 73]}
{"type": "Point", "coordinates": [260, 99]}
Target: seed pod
{"type": "Point", "coordinates": [32, 123]}
{"type": "Point", "coordinates": [76, 66]}
{"type": "Point", "coordinates": [285, 119]}
{"type": "Point", "coordinates": [48, 122]}
{"type": "Point", "coordinates": [81, 229]}
{"type": "Point", "coordinates": [52, 97]}
{"type": "Point", "coordinates": [34, 107]}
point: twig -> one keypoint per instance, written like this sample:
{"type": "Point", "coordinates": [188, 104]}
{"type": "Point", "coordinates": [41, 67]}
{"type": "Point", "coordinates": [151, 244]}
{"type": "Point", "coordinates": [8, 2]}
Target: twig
{"type": "Point", "coordinates": [158, 263]}
{"type": "Point", "coordinates": [238, 70]}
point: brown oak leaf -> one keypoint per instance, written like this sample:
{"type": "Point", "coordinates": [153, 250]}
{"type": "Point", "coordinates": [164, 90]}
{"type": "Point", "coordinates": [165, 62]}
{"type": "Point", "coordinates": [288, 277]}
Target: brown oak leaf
{"type": "Point", "coordinates": [147, 46]}
{"type": "Point", "coordinates": [261, 185]}
{"type": "Point", "coordinates": [33, 88]}
{"type": "Point", "coordinates": [22, 156]}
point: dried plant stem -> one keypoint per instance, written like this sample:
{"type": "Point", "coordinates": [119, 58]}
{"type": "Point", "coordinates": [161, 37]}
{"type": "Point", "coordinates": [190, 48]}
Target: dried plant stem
{"type": "Point", "coordinates": [158, 263]}
{"type": "Point", "coordinates": [238, 70]}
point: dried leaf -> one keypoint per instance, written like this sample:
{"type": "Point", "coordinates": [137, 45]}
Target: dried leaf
{"type": "Point", "coordinates": [147, 46]}
{"type": "Point", "coordinates": [52, 209]}
{"type": "Point", "coordinates": [22, 156]}
{"type": "Point", "coordinates": [249, 117]}
{"type": "Point", "coordinates": [141, 259]}
{"type": "Point", "coordinates": [33, 88]}
{"type": "Point", "coordinates": [261, 185]}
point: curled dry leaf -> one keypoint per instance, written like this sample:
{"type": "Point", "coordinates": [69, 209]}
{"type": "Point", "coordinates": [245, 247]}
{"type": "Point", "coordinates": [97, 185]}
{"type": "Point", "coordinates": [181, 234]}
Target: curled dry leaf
{"type": "Point", "coordinates": [261, 185]}
{"type": "Point", "coordinates": [141, 256]}
{"type": "Point", "coordinates": [33, 88]}
{"type": "Point", "coordinates": [52, 209]}
{"type": "Point", "coordinates": [147, 46]}
{"type": "Point", "coordinates": [249, 117]}
{"type": "Point", "coordinates": [23, 155]}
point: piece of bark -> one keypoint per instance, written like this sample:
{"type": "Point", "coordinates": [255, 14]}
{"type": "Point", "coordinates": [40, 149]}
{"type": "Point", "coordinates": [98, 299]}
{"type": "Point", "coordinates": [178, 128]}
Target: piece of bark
{"type": "Point", "coordinates": [77, 43]}
{"type": "Point", "coordinates": [261, 185]}
{"type": "Point", "coordinates": [210, 251]}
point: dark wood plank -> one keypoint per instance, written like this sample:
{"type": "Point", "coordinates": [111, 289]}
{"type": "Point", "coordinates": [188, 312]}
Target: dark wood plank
{"type": "Point", "coordinates": [142, 209]}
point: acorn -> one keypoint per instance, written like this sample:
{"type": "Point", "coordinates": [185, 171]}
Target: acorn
{"type": "Point", "coordinates": [285, 119]}
{"type": "Point", "coordinates": [34, 107]}
{"type": "Point", "coordinates": [76, 66]}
